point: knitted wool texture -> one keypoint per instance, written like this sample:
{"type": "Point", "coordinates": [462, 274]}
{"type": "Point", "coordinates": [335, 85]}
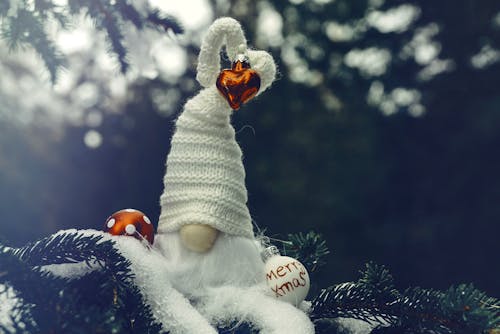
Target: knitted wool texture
{"type": "Point", "coordinates": [205, 180]}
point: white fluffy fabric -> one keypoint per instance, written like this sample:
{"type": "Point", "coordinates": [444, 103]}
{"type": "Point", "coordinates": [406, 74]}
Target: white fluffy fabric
{"type": "Point", "coordinates": [227, 31]}
{"type": "Point", "coordinates": [205, 180]}
{"type": "Point", "coordinates": [169, 307]}
{"type": "Point", "coordinates": [8, 303]}
{"type": "Point", "coordinates": [227, 284]}
{"type": "Point", "coordinates": [246, 299]}
{"type": "Point", "coordinates": [253, 305]}
{"type": "Point", "coordinates": [233, 261]}
{"type": "Point", "coordinates": [354, 326]}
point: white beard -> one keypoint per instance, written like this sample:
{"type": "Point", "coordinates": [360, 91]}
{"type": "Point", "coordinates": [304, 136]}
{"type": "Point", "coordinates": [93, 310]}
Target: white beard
{"type": "Point", "coordinates": [232, 261]}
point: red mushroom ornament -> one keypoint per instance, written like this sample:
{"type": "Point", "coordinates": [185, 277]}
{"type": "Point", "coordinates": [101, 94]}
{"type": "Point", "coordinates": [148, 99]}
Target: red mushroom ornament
{"type": "Point", "coordinates": [130, 222]}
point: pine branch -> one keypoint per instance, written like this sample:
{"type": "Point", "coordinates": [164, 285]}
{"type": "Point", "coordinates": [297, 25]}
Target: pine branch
{"type": "Point", "coordinates": [27, 29]}
{"type": "Point", "coordinates": [471, 309]}
{"type": "Point", "coordinates": [378, 283]}
{"type": "Point", "coordinates": [157, 19]}
{"type": "Point", "coordinates": [373, 298]}
{"type": "Point", "coordinates": [103, 301]}
{"type": "Point", "coordinates": [28, 26]}
{"type": "Point", "coordinates": [112, 25]}
{"type": "Point", "coordinates": [129, 13]}
{"type": "Point", "coordinates": [18, 320]}
{"type": "Point", "coordinates": [68, 248]}
{"type": "Point", "coordinates": [350, 300]}
{"type": "Point", "coordinates": [308, 248]}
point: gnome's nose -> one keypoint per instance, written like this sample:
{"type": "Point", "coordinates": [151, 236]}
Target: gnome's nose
{"type": "Point", "coordinates": [198, 237]}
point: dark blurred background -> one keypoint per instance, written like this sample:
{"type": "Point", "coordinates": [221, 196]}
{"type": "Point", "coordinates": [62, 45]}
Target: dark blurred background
{"type": "Point", "coordinates": [382, 133]}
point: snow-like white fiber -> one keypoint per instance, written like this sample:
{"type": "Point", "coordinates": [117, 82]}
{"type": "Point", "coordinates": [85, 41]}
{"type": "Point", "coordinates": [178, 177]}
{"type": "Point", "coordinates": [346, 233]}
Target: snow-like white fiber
{"type": "Point", "coordinates": [69, 270]}
{"type": "Point", "coordinates": [228, 284]}
{"type": "Point", "coordinates": [233, 261]}
{"type": "Point", "coordinates": [169, 307]}
{"type": "Point", "coordinates": [244, 297]}
{"type": "Point", "coordinates": [226, 304]}
{"type": "Point", "coordinates": [8, 302]}
{"type": "Point", "coordinates": [355, 326]}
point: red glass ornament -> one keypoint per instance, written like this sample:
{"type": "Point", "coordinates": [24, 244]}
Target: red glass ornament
{"type": "Point", "coordinates": [130, 222]}
{"type": "Point", "coordinates": [238, 84]}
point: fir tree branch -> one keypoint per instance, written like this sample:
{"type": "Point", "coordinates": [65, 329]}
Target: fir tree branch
{"type": "Point", "coordinates": [129, 13]}
{"type": "Point", "coordinates": [28, 26]}
{"type": "Point", "coordinates": [309, 248]}
{"type": "Point", "coordinates": [373, 298]}
{"type": "Point", "coordinates": [104, 300]}
{"type": "Point", "coordinates": [27, 29]}
{"type": "Point", "coordinates": [156, 19]}
{"type": "Point", "coordinates": [115, 36]}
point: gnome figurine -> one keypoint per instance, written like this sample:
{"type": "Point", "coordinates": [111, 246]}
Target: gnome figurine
{"type": "Point", "coordinates": [203, 206]}
{"type": "Point", "coordinates": [205, 230]}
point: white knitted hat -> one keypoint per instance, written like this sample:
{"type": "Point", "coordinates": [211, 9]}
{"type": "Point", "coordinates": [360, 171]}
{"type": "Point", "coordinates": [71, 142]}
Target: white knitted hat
{"type": "Point", "coordinates": [205, 179]}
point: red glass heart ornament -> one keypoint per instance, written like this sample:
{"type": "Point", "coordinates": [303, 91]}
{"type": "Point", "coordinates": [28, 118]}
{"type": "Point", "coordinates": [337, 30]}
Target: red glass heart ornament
{"type": "Point", "coordinates": [238, 84]}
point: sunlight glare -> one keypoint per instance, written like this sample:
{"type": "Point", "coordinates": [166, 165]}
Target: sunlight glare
{"type": "Point", "coordinates": [193, 14]}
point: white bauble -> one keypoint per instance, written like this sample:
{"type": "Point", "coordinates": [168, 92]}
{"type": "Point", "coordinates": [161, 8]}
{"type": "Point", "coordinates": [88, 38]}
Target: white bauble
{"type": "Point", "coordinates": [287, 278]}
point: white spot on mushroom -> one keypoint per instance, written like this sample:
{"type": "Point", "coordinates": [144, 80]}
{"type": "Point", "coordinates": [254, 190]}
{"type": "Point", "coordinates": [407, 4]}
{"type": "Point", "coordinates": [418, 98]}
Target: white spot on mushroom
{"type": "Point", "coordinates": [146, 219]}
{"type": "Point", "coordinates": [129, 210]}
{"type": "Point", "coordinates": [130, 229]}
{"type": "Point", "coordinates": [111, 223]}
